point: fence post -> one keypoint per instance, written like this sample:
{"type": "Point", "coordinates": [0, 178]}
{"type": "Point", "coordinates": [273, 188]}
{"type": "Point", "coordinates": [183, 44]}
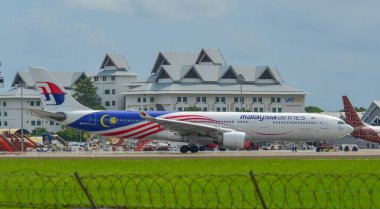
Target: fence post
{"type": "Point", "coordinates": [257, 189]}
{"type": "Point", "coordinates": [85, 190]}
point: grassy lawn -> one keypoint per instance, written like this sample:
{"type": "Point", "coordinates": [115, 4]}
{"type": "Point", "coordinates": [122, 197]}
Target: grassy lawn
{"type": "Point", "coordinates": [189, 166]}
{"type": "Point", "coordinates": [191, 183]}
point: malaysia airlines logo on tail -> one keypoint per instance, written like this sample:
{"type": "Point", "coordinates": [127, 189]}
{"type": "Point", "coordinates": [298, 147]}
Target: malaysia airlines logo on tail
{"type": "Point", "coordinates": [48, 89]}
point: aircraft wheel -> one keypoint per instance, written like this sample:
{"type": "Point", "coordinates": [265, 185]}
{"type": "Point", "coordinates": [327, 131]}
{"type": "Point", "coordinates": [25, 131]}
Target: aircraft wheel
{"type": "Point", "coordinates": [355, 149]}
{"type": "Point", "coordinates": [183, 149]}
{"type": "Point", "coordinates": [318, 149]}
{"type": "Point", "coordinates": [346, 149]}
{"type": "Point", "coordinates": [279, 147]}
{"type": "Point", "coordinates": [272, 147]}
{"type": "Point", "coordinates": [222, 149]}
{"type": "Point", "coordinates": [194, 149]}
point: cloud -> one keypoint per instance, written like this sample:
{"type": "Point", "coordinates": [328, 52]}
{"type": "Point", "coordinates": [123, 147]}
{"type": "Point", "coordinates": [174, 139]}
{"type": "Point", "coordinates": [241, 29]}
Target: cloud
{"type": "Point", "coordinates": [187, 9]}
{"type": "Point", "coordinates": [112, 6]}
{"type": "Point", "coordinates": [168, 9]}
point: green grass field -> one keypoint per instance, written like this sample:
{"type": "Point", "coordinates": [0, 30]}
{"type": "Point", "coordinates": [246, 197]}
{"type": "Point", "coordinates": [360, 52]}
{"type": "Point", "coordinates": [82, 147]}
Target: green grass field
{"type": "Point", "coordinates": [190, 183]}
{"type": "Point", "coordinates": [190, 166]}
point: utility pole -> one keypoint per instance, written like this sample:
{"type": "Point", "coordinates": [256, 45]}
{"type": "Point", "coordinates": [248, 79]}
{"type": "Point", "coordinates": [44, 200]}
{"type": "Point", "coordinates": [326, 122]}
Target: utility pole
{"type": "Point", "coordinates": [21, 85]}
{"type": "Point", "coordinates": [241, 79]}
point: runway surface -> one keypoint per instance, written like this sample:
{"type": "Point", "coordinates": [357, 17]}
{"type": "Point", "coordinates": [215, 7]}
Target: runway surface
{"type": "Point", "coordinates": [208, 154]}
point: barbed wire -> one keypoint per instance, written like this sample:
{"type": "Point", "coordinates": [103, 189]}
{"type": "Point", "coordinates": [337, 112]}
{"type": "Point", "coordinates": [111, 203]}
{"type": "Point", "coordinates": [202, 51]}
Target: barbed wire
{"type": "Point", "coordinates": [264, 190]}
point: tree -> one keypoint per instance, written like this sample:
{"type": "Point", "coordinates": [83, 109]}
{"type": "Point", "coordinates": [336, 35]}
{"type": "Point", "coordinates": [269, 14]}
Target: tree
{"type": "Point", "coordinates": [357, 109]}
{"type": "Point", "coordinates": [70, 134]}
{"type": "Point", "coordinates": [38, 131]}
{"type": "Point", "coordinates": [193, 109]}
{"type": "Point", "coordinates": [313, 109]}
{"type": "Point", "coordinates": [85, 93]}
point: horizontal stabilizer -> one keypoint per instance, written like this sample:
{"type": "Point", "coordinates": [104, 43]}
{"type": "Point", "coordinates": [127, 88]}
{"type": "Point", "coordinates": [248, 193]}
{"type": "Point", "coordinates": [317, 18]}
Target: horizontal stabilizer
{"type": "Point", "coordinates": [48, 115]}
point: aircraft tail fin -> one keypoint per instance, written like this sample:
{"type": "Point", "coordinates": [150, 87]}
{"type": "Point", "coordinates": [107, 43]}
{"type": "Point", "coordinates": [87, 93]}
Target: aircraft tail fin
{"type": "Point", "coordinates": [53, 94]}
{"type": "Point", "coordinates": [351, 116]}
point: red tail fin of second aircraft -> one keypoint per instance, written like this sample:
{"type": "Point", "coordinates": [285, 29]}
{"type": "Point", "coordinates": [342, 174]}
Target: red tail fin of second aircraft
{"type": "Point", "coordinates": [351, 116]}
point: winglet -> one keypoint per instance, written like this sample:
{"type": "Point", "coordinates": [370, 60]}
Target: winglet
{"type": "Point", "coordinates": [351, 116]}
{"type": "Point", "coordinates": [145, 115]}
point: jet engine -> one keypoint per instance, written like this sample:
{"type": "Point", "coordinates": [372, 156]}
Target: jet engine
{"type": "Point", "coordinates": [233, 139]}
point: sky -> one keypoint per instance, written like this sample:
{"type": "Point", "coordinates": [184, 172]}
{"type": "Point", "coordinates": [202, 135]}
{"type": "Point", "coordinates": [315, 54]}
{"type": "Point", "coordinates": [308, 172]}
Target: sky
{"type": "Point", "coordinates": [326, 48]}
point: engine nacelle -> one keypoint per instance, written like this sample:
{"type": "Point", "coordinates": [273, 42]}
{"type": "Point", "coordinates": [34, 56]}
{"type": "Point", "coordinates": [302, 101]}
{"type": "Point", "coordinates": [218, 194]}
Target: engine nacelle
{"type": "Point", "coordinates": [233, 139]}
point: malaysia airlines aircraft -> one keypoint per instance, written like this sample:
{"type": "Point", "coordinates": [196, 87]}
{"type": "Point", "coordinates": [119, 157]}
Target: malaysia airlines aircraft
{"type": "Point", "coordinates": [228, 129]}
{"type": "Point", "coordinates": [361, 130]}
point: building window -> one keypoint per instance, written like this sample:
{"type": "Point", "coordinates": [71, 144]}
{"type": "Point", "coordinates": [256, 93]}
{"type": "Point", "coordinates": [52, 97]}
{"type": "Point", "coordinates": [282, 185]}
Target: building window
{"type": "Point", "coordinates": [113, 91]}
{"type": "Point", "coordinates": [144, 99]}
{"type": "Point", "coordinates": [0, 113]}
{"type": "Point", "coordinates": [107, 103]}
{"type": "Point", "coordinates": [217, 99]}
{"type": "Point", "coordinates": [112, 78]}
{"type": "Point", "coordinates": [254, 99]}
{"type": "Point", "coordinates": [113, 103]}
{"type": "Point", "coordinates": [31, 103]}
{"type": "Point", "coordinates": [242, 99]}
{"type": "Point", "coordinates": [224, 109]}
{"type": "Point", "coordinates": [260, 99]}
{"type": "Point", "coordinates": [38, 122]}
{"type": "Point", "coordinates": [51, 123]}
{"type": "Point", "coordinates": [255, 109]}
{"type": "Point", "coordinates": [205, 109]}
{"type": "Point", "coordinates": [33, 123]}
{"type": "Point", "coordinates": [5, 114]}
{"type": "Point", "coordinates": [179, 99]}
{"type": "Point", "coordinates": [236, 99]}
{"type": "Point", "coordinates": [104, 78]}
{"type": "Point", "coordinates": [274, 109]}
{"type": "Point", "coordinates": [107, 91]}
{"type": "Point", "coordinates": [38, 103]}
{"type": "Point", "coordinates": [376, 122]}
{"type": "Point", "coordinates": [5, 123]}
{"type": "Point", "coordinates": [198, 99]}
{"type": "Point", "coordinates": [273, 100]}
{"type": "Point", "coordinates": [279, 109]}
{"type": "Point", "coordinates": [0, 122]}
{"type": "Point", "coordinates": [138, 99]}
{"type": "Point", "coordinates": [278, 99]}
{"type": "Point", "coordinates": [204, 99]}
{"type": "Point", "coordinates": [151, 99]}
{"type": "Point", "coordinates": [180, 109]}
{"type": "Point", "coordinates": [184, 99]}
{"type": "Point", "coordinates": [96, 78]}
{"type": "Point", "coordinates": [222, 99]}
{"type": "Point", "coordinates": [4, 104]}
{"type": "Point", "coordinates": [218, 109]}
{"type": "Point", "coordinates": [237, 109]}
{"type": "Point", "coordinates": [261, 109]}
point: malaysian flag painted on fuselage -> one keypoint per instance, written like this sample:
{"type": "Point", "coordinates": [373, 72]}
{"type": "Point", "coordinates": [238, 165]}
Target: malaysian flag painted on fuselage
{"type": "Point", "coordinates": [129, 124]}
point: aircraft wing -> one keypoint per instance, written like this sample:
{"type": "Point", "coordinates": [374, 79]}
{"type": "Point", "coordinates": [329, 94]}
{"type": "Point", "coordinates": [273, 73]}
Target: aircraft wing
{"type": "Point", "coordinates": [48, 115]}
{"type": "Point", "coordinates": [186, 127]}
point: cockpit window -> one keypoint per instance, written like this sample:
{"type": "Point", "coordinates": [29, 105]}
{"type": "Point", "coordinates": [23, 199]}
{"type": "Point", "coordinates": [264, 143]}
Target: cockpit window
{"type": "Point", "coordinates": [340, 122]}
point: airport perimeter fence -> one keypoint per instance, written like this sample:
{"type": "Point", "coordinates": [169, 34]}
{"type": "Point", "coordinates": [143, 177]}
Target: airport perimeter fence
{"type": "Point", "coordinates": [34, 190]}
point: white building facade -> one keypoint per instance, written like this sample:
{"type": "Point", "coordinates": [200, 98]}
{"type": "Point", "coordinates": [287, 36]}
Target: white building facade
{"type": "Point", "coordinates": [10, 102]}
{"type": "Point", "coordinates": [113, 78]}
{"type": "Point", "coordinates": [204, 80]}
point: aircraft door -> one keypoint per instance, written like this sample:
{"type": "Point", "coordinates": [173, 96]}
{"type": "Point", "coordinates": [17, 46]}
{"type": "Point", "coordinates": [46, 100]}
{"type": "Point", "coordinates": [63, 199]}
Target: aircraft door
{"type": "Point", "coordinates": [92, 119]}
{"type": "Point", "coordinates": [324, 124]}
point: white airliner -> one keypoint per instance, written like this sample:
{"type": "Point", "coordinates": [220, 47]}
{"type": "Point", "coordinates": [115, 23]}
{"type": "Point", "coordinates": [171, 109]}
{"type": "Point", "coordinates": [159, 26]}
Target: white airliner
{"type": "Point", "coordinates": [228, 129]}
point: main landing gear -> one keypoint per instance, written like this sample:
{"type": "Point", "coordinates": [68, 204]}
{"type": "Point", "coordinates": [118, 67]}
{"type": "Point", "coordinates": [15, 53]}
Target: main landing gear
{"type": "Point", "coordinates": [191, 148]}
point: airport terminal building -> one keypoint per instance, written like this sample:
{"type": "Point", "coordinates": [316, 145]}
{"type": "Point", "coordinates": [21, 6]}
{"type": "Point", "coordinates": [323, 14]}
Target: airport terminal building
{"type": "Point", "coordinates": [372, 115]}
{"type": "Point", "coordinates": [180, 80]}
{"type": "Point", "coordinates": [10, 101]}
